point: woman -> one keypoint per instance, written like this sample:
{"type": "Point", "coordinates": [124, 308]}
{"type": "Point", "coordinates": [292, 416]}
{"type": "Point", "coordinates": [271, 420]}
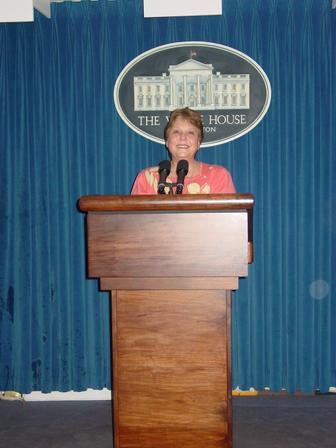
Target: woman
{"type": "Point", "coordinates": [183, 135]}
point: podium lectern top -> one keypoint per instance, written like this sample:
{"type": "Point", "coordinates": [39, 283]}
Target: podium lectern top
{"type": "Point", "coordinates": [157, 236]}
{"type": "Point", "coordinates": [106, 203]}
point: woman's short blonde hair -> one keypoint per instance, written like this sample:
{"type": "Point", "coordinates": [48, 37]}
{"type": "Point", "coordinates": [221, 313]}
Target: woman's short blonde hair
{"type": "Point", "coordinates": [190, 115]}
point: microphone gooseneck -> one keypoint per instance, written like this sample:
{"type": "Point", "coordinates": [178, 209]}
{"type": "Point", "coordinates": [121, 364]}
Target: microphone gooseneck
{"type": "Point", "coordinates": [164, 170]}
{"type": "Point", "coordinates": [181, 172]}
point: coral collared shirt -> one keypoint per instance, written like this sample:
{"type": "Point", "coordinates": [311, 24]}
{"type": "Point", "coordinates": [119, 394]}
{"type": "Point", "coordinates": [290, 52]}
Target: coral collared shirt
{"type": "Point", "coordinates": [213, 179]}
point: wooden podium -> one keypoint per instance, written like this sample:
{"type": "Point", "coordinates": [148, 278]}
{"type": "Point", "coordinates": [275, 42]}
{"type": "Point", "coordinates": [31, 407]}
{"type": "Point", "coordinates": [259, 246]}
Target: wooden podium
{"type": "Point", "coordinates": [170, 263]}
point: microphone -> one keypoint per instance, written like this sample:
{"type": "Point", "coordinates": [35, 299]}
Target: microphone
{"type": "Point", "coordinates": [164, 170]}
{"type": "Point", "coordinates": [181, 171]}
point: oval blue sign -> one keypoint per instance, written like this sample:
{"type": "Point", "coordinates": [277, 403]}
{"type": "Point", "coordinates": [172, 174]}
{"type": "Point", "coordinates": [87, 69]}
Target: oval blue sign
{"type": "Point", "coordinates": [228, 88]}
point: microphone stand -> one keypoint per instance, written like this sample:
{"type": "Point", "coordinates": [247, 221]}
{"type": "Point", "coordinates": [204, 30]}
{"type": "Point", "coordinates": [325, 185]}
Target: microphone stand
{"type": "Point", "coordinates": [170, 188]}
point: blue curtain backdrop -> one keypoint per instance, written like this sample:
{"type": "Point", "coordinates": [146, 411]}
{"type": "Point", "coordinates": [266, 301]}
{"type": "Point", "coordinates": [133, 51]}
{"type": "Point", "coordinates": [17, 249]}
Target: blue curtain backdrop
{"type": "Point", "coordinates": [62, 138]}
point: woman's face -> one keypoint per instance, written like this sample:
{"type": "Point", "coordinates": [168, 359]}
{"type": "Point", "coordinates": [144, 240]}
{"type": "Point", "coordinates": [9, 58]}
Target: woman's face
{"type": "Point", "coordinates": [183, 140]}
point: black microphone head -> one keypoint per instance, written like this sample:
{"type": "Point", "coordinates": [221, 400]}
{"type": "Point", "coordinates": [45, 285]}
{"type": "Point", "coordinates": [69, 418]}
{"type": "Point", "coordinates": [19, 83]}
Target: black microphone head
{"type": "Point", "coordinates": [164, 170]}
{"type": "Point", "coordinates": [182, 165]}
{"type": "Point", "coordinates": [164, 165]}
{"type": "Point", "coordinates": [181, 171]}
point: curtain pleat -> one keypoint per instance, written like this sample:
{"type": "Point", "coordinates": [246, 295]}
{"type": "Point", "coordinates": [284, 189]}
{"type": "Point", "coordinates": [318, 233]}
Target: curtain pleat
{"type": "Point", "coordinates": [62, 138]}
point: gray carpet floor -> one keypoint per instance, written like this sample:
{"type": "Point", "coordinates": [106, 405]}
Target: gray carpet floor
{"type": "Point", "coordinates": [258, 422]}
{"type": "Point", "coordinates": [285, 422]}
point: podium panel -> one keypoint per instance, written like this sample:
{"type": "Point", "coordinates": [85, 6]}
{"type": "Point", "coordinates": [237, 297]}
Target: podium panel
{"type": "Point", "coordinates": [172, 378]}
{"type": "Point", "coordinates": [176, 244]}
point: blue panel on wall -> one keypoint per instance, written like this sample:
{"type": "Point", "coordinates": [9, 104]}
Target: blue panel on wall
{"type": "Point", "coordinates": [62, 138]}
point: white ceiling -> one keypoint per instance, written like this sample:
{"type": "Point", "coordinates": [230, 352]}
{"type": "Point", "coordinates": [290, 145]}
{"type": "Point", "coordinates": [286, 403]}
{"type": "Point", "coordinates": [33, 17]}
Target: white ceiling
{"type": "Point", "coordinates": [43, 6]}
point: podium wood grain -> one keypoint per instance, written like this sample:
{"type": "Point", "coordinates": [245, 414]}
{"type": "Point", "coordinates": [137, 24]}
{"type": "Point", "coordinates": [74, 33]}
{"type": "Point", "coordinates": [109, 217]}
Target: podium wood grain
{"type": "Point", "coordinates": [172, 375]}
{"type": "Point", "coordinates": [173, 244]}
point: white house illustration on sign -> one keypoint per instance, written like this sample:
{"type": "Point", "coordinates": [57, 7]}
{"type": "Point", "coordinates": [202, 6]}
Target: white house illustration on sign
{"type": "Point", "coordinates": [191, 84]}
